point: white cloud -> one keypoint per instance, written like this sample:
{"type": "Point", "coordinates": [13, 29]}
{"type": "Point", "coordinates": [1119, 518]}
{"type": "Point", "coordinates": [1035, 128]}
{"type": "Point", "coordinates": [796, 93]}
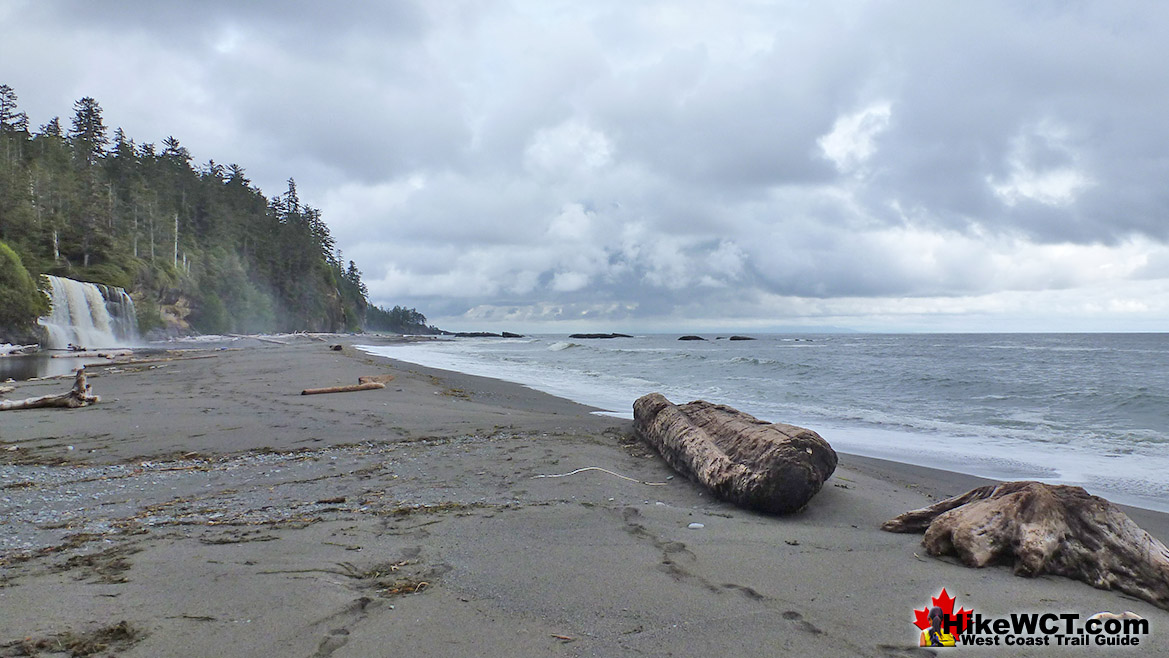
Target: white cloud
{"type": "Point", "coordinates": [728, 260]}
{"type": "Point", "coordinates": [567, 149]}
{"type": "Point", "coordinates": [569, 281]}
{"type": "Point", "coordinates": [573, 224]}
{"type": "Point", "coordinates": [1043, 168]}
{"type": "Point", "coordinates": [354, 207]}
{"type": "Point", "coordinates": [852, 141]}
{"type": "Point", "coordinates": [1052, 187]}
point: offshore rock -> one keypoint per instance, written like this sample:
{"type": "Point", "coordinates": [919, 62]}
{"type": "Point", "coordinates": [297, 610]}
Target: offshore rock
{"type": "Point", "coordinates": [1042, 528]}
{"type": "Point", "coordinates": [768, 467]}
{"type": "Point", "coordinates": [599, 336]}
{"type": "Point", "coordinates": [691, 338]}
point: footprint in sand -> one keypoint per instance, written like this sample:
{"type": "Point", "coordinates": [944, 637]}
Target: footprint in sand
{"type": "Point", "coordinates": [798, 621]}
{"type": "Point", "coordinates": [336, 639]}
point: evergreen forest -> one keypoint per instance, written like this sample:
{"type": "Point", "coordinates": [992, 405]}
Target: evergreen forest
{"type": "Point", "coordinates": [199, 247]}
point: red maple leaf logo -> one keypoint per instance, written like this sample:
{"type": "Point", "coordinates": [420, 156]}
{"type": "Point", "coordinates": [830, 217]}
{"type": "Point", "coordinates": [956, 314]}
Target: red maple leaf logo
{"type": "Point", "coordinates": [946, 603]}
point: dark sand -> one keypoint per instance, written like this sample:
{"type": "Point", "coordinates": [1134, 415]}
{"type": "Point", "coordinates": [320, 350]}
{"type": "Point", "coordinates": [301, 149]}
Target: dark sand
{"type": "Point", "coordinates": [217, 512]}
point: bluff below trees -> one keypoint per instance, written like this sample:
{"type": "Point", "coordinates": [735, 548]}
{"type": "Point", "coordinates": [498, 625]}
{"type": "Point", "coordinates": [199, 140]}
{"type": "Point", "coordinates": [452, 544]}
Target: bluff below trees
{"type": "Point", "coordinates": [199, 248]}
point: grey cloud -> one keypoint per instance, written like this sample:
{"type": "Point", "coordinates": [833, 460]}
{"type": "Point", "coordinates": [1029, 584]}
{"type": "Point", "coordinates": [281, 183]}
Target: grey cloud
{"type": "Point", "coordinates": [448, 143]}
{"type": "Point", "coordinates": [306, 22]}
{"type": "Point", "coordinates": [975, 81]}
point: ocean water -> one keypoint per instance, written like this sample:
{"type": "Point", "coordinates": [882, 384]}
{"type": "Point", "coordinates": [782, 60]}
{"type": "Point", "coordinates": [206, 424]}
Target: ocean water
{"type": "Point", "coordinates": [1084, 409]}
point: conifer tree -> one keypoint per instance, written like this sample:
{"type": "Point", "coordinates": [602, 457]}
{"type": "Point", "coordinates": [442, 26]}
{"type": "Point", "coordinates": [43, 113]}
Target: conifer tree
{"type": "Point", "coordinates": [236, 175]}
{"type": "Point", "coordinates": [10, 119]}
{"type": "Point", "coordinates": [52, 128]}
{"type": "Point", "coordinates": [353, 276]}
{"type": "Point", "coordinates": [172, 149]}
{"type": "Point", "coordinates": [88, 134]}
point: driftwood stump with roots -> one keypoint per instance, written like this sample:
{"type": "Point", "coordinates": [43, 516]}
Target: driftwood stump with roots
{"type": "Point", "coordinates": [79, 396]}
{"type": "Point", "coordinates": [769, 467]}
{"type": "Point", "coordinates": [1041, 528]}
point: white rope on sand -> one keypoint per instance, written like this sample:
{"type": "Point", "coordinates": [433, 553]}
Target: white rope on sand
{"type": "Point", "coordinates": [603, 470]}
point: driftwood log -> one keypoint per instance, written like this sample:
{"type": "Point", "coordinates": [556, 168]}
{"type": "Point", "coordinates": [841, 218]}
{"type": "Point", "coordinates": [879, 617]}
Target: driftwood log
{"type": "Point", "coordinates": [769, 467]}
{"type": "Point", "coordinates": [93, 354]}
{"type": "Point", "coordinates": [364, 383]}
{"type": "Point", "coordinates": [260, 338]}
{"type": "Point", "coordinates": [80, 396]}
{"type": "Point", "coordinates": [1041, 528]}
{"type": "Point", "coordinates": [367, 386]}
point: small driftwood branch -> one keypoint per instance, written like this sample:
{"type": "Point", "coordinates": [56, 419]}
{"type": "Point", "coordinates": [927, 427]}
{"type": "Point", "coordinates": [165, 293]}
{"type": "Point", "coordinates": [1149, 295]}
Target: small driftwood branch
{"type": "Point", "coordinates": [380, 379]}
{"type": "Point", "coordinates": [270, 340]}
{"type": "Point", "coordinates": [368, 386]}
{"type": "Point", "coordinates": [603, 470]}
{"type": "Point", "coordinates": [4, 390]}
{"type": "Point", "coordinates": [260, 338]}
{"type": "Point", "coordinates": [79, 396]}
{"type": "Point", "coordinates": [1041, 528]}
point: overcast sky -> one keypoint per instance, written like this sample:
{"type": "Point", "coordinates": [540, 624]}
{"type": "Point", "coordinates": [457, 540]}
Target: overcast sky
{"type": "Point", "coordinates": [638, 166]}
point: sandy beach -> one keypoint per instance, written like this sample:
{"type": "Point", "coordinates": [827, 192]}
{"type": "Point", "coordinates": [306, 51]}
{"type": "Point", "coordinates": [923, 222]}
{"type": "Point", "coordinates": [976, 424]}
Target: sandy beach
{"type": "Point", "coordinates": [205, 508]}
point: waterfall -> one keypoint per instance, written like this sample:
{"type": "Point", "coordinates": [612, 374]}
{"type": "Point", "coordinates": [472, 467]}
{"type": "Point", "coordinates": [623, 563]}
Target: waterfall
{"type": "Point", "coordinates": [89, 315]}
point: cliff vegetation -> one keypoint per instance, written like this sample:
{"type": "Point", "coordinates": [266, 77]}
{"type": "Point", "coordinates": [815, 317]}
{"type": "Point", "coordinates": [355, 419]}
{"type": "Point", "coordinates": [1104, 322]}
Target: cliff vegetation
{"type": "Point", "coordinates": [199, 247]}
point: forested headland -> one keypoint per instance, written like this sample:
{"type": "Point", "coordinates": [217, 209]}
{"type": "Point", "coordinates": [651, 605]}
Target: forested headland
{"type": "Point", "coordinates": [198, 247]}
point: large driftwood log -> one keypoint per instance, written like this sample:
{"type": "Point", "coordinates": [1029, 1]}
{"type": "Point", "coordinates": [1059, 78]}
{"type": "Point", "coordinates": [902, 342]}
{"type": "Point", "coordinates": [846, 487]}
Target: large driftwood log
{"type": "Point", "coordinates": [1041, 528]}
{"type": "Point", "coordinates": [773, 468]}
{"type": "Point", "coordinates": [79, 396]}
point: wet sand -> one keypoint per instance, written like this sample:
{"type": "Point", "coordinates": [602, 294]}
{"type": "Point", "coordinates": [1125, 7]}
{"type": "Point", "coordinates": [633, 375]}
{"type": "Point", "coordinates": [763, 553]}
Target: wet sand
{"type": "Point", "coordinates": [205, 508]}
